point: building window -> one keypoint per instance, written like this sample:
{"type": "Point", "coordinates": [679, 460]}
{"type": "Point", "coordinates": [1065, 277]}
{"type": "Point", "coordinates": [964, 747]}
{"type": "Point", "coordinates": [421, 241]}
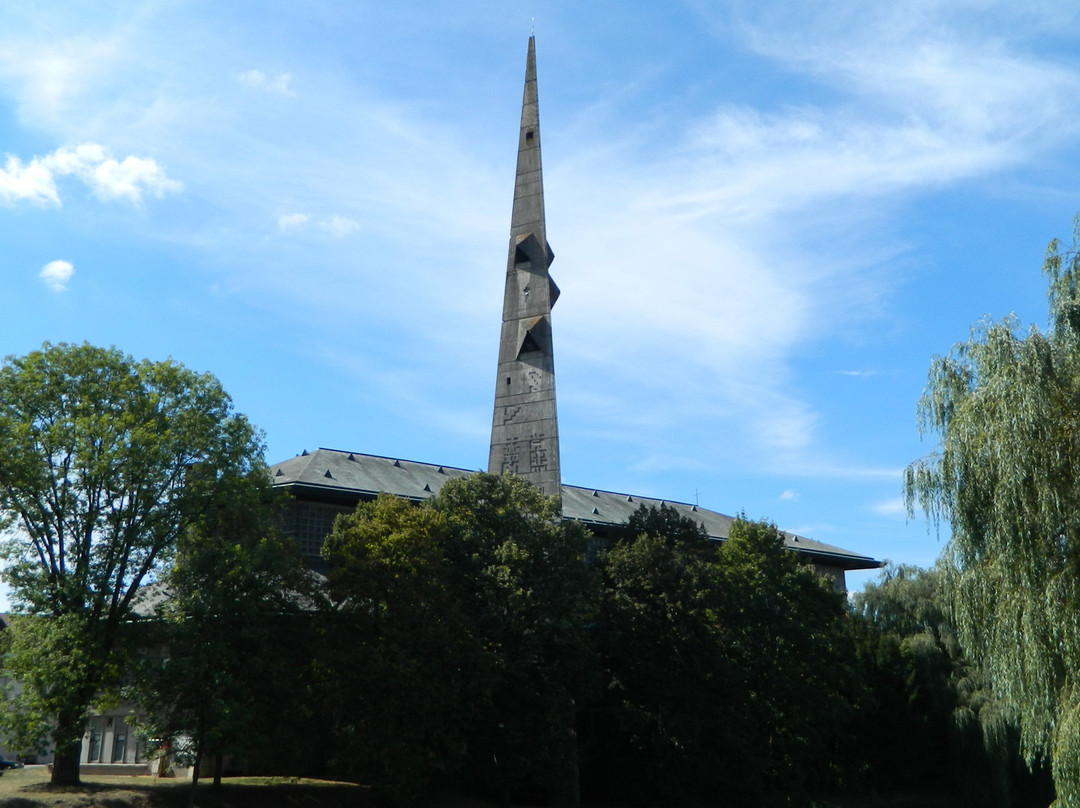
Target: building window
{"type": "Point", "coordinates": [307, 523]}
{"type": "Point", "coordinates": [94, 754]}
{"type": "Point", "coordinates": [119, 745]}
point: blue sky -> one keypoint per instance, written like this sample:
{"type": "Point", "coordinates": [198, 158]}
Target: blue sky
{"type": "Point", "coordinates": [767, 218]}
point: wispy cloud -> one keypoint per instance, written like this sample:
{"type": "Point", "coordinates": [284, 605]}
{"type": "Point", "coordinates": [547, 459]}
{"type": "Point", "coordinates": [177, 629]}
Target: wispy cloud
{"type": "Point", "coordinates": [51, 72]}
{"type": "Point", "coordinates": [789, 496]}
{"type": "Point", "coordinates": [108, 178]}
{"type": "Point", "coordinates": [281, 84]}
{"type": "Point", "coordinates": [293, 221]}
{"type": "Point", "coordinates": [748, 202]}
{"type": "Point", "coordinates": [930, 80]}
{"type": "Point", "coordinates": [336, 226]}
{"type": "Point", "coordinates": [56, 275]}
{"type": "Point", "coordinates": [890, 507]}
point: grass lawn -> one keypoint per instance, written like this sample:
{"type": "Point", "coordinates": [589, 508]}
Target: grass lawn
{"type": "Point", "coordinates": [28, 788]}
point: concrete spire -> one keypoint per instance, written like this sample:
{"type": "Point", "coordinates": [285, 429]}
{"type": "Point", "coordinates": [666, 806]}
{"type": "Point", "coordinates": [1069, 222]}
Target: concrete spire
{"type": "Point", "coordinates": [525, 430]}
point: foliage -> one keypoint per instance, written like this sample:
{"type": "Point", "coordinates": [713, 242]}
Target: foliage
{"type": "Point", "coordinates": [213, 681]}
{"type": "Point", "coordinates": [725, 666]}
{"type": "Point", "coordinates": [1006, 478]}
{"type": "Point", "coordinates": [931, 717]}
{"type": "Point", "coordinates": [398, 664]}
{"type": "Point", "coordinates": [521, 576]}
{"type": "Point", "coordinates": [462, 628]}
{"type": "Point", "coordinates": [787, 628]}
{"type": "Point", "coordinates": [54, 659]}
{"type": "Point", "coordinates": [106, 463]}
{"type": "Point", "coordinates": [668, 525]}
{"type": "Point", "coordinates": [669, 713]}
{"type": "Point", "coordinates": [912, 665]}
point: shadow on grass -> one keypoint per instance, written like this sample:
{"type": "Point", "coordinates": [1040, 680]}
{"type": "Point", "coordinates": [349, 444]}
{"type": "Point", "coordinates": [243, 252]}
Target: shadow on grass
{"type": "Point", "coordinates": [124, 793]}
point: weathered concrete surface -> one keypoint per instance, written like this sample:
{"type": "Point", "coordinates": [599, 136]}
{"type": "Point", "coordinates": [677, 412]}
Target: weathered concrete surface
{"type": "Point", "coordinates": [524, 428]}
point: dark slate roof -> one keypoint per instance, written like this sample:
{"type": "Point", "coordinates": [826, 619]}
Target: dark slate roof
{"type": "Point", "coordinates": [334, 475]}
{"type": "Point", "coordinates": [346, 475]}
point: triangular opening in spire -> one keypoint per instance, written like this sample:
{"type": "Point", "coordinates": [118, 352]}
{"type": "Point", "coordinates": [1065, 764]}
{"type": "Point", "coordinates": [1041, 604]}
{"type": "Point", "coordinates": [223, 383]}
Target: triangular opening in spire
{"type": "Point", "coordinates": [537, 337]}
{"type": "Point", "coordinates": [528, 345]}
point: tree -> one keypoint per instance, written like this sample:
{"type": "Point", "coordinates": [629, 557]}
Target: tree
{"type": "Point", "coordinates": [215, 681]}
{"type": "Point", "coordinates": [912, 666]}
{"type": "Point", "coordinates": [670, 725]}
{"type": "Point", "coordinates": [930, 718]}
{"type": "Point", "coordinates": [107, 461]}
{"type": "Point", "coordinates": [521, 577]}
{"type": "Point", "coordinates": [786, 628]}
{"type": "Point", "coordinates": [400, 669]}
{"type": "Point", "coordinates": [726, 665]}
{"type": "Point", "coordinates": [1005, 477]}
{"type": "Point", "coordinates": [458, 642]}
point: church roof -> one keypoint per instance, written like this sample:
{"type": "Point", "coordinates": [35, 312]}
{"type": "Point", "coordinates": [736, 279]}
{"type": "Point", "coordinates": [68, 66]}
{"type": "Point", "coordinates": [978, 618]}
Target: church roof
{"type": "Point", "coordinates": [347, 477]}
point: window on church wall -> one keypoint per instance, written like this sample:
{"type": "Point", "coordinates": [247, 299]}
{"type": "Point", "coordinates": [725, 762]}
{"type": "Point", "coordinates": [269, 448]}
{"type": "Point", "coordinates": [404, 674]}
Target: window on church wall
{"type": "Point", "coordinates": [308, 523]}
{"type": "Point", "coordinates": [93, 754]}
{"type": "Point", "coordinates": [119, 744]}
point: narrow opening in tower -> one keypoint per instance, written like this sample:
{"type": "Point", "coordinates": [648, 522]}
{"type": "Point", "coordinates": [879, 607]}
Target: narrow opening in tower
{"type": "Point", "coordinates": [529, 135]}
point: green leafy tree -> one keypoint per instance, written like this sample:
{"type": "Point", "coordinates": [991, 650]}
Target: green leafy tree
{"type": "Point", "coordinates": [459, 642]}
{"type": "Point", "coordinates": [930, 721]}
{"type": "Point", "coordinates": [400, 669]}
{"type": "Point", "coordinates": [726, 666]}
{"type": "Point", "coordinates": [670, 726]}
{"type": "Point", "coordinates": [521, 576]}
{"type": "Point", "coordinates": [787, 629]}
{"type": "Point", "coordinates": [214, 681]}
{"type": "Point", "coordinates": [911, 663]}
{"type": "Point", "coordinates": [97, 486]}
{"type": "Point", "coordinates": [1005, 477]}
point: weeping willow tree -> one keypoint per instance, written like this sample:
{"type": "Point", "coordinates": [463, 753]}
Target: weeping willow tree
{"type": "Point", "coordinates": [1005, 477]}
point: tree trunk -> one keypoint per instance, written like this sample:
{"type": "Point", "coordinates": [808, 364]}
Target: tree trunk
{"type": "Point", "coordinates": [65, 767]}
{"type": "Point", "coordinates": [195, 776]}
{"type": "Point", "coordinates": [564, 789]}
{"type": "Point", "coordinates": [218, 765]}
{"type": "Point", "coordinates": [67, 737]}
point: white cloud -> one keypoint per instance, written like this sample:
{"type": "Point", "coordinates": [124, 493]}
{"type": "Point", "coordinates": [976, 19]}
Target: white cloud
{"type": "Point", "coordinates": [56, 72]}
{"type": "Point", "coordinates": [859, 374]}
{"type": "Point", "coordinates": [749, 165]}
{"type": "Point", "coordinates": [279, 84]}
{"type": "Point", "coordinates": [109, 178]}
{"type": "Point", "coordinates": [789, 496]}
{"type": "Point", "coordinates": [948, 78]}
{"type": "Point", "coordinates": [56, 275]}
{"type": "Point", "coordinates": [91, 163]}
{"type": "Point", "coordinates": [293, 221]}
{"type": "Point", "coordinates": [32, 182]}
{"type": "Point", "coordinates": [336, 226]}
{"type": "Point", "coordinates": [890, 507]}
{"type": "Point", "coordinates": [339, 226]}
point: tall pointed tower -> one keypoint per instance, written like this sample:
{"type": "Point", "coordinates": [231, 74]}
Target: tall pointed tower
{"type": "Point", "coordinates": [524, 430]}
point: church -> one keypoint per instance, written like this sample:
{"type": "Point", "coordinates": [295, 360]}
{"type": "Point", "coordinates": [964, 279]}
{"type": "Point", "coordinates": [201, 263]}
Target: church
{"type": "Point", "coordinates": [524, 428]}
